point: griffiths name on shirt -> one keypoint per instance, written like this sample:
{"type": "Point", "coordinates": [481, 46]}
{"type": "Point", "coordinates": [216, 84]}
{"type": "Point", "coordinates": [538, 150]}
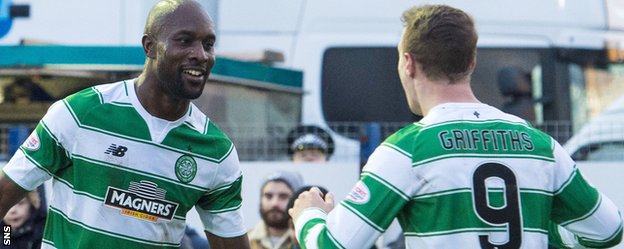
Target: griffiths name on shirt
{"type": "Point", "coordinates": [485, 139]}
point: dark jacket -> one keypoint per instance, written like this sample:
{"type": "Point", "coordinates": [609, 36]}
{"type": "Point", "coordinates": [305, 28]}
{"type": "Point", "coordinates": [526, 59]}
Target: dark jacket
{"type": "Point", "coordinates": [28, 235]}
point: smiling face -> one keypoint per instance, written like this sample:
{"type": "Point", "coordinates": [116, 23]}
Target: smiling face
{"type": "Point", "coordinates": [182, 49]}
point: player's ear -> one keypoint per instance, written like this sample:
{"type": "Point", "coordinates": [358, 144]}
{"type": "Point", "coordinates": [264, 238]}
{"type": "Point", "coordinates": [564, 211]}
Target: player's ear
{"type": "Point", "coordinates": [410, 64]}
{"type": "Point", "coordinates": [149, 46]}
{"type": "Point", "coordinates": [473, 64]}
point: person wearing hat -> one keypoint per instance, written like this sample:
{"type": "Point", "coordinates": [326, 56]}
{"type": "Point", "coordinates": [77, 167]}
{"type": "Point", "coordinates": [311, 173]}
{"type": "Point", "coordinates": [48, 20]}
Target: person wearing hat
{"type": "Point", "coordinates": [272, 232]}
{"type": "Point", "coordinates": [308, 143]}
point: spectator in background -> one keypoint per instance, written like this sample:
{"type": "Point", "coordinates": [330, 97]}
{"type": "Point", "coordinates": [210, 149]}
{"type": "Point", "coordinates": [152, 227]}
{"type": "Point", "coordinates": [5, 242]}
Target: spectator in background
{"type": "Point", "coordinates": [27, 219]}
{"type": "Point", "coordinates": [273, 231]}
{"type": "Point", "coordinates": [309, 143]}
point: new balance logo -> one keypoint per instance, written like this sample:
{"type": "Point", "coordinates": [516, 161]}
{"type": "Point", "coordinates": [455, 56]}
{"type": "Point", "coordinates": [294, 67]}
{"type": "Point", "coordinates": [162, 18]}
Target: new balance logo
{"type": "Point", "coordinates": [116, 150]}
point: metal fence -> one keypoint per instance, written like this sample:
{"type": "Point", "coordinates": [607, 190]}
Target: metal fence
{"type": "Point", "coordinates": [11, 137]}
{"type": "Point", "coordinates": [268, 143]}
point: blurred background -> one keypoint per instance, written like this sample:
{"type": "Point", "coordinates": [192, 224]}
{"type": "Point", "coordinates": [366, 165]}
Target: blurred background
{"type": "Point", "coordinates": [557, 63]}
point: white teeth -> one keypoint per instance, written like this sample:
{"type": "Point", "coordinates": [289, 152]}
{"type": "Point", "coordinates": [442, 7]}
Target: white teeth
{"type": "Point", "coordinates": [193, 72]}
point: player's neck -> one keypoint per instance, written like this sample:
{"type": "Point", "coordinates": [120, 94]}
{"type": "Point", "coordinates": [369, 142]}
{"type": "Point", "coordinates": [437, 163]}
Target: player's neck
{"type": "Point", "coordinates": [156, 101]}
{"type": "Point", "coordinates": [436, 93]}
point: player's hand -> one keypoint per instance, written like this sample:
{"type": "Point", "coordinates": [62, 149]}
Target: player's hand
{"type": "Point", "coordinates": [311, 198]}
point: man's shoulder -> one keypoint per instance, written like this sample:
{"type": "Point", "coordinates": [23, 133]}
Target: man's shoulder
{"type": "Point", "coordinates": [403, 139]}
{"type": "Point", "coordinates": [101, 90]}
{"type": "Point", "coordinates": [92, 97]}
{"type": "Point", "coordinates": [404, 133]}
{"type": "Point", "coordinates": [200, 122]}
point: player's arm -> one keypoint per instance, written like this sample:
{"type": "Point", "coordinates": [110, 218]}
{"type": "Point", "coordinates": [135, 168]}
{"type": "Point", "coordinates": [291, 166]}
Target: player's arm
{"type": "Point", "coordinates": [583, 215]}
{"type": "Point", "coordinates": [217, 242]}
{"type": "Point", "coordinates": [219, 208]}
{"type": "Point", "coordinates": [365, 214]}
{"type": "Point", "coordinates": [10, 194]}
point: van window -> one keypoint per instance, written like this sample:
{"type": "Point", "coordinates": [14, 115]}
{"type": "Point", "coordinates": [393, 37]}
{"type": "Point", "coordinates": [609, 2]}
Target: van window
{"type": "Point", "coordinates": [361, 84]}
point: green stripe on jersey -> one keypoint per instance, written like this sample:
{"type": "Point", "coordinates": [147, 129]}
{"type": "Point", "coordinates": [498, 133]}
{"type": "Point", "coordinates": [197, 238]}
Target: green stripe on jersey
{"type": "Point", "coordinates": [68, 234]}
{"type": "Point", "coordinates": [476, 138]}
{"type": "Point", "coordinates": [324, 239]}
{"type": "Point", "coordinates": [384, 201]}
{"type": "Point", "coordinates": [223, 199]}
{"type": "Point", "coordinates": [51, 157]}
{"type": "Point", "coordinates": [215, 144]}
{"type": "Point", "coordinates": [575, 201]}
{"type": "Point", "coordinates": [88, 111]}
{"type": "Point", "coordinates": [453, 212]}
{"type": "Point", "coordinates": [404, 139]}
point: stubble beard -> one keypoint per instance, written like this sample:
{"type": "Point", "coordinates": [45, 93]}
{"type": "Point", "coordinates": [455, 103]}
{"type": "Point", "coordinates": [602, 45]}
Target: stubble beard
{"type": "Point", "coordinates": [271, 221]}
{"type": "Point", "coordinates": [173, 82]}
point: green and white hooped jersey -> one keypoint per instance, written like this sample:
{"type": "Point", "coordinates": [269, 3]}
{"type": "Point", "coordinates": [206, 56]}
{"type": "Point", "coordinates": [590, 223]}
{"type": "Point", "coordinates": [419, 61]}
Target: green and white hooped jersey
{"type": "Point", "coordinates": [125, 179]}
{"type": "Point", "coordinates": [466, 176]}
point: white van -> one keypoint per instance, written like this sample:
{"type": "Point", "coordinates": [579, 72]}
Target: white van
{"type": "Point", "coordinates": [347, 51]}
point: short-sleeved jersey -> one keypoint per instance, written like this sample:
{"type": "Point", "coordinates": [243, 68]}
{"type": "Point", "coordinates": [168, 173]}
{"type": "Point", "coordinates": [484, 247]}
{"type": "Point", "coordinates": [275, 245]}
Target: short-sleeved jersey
{"type": "Point", "coordinates": [466, 176]}
{"type": "Point", "coordinates": [125, 179]}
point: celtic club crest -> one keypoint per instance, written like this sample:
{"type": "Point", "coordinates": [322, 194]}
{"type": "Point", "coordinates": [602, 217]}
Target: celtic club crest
{"type": "Point", "coordinates": [185, 168]}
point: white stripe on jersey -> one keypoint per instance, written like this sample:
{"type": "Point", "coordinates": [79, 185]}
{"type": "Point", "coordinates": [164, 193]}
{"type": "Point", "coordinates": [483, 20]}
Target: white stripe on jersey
{"type": "Point", "coordinates": [598, 229]}
{"type": "Point", "coordinates": [56, 112]}
{"type": "Point", "coordinates": [530, 240]}
{"type": "Point", "coordinates": [226, 224]}
{"type": "Point", "coordinates": [27, 172]}
{"type": "Point", "coordinates": [454, 171]}
{"type": "Point", "coordinates": [314, 232]}
{"type": "Point", "coordinates": [354, 229]}
{"type": "Point", "coordinates": [399, 174]}
{"type": "Point", "coordinates": [46, 244]}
